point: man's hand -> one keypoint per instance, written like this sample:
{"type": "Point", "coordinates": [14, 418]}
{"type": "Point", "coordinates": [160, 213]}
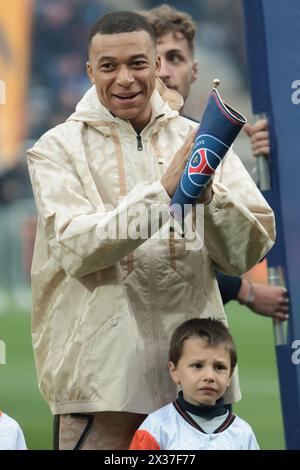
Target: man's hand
{"type": "Point", "coordinates": [207, 193]}
{"type": "Point", "coordinates": [259, 137]}
{"type": "Point", "coordinates": [176, 167]}
{"type": "Point", "coordinates": [270, 301]}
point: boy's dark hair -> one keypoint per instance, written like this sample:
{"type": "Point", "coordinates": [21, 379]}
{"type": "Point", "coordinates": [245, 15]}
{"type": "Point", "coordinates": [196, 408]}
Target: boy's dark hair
{"type": "Point", "coordinates": [121, 22]}
{"type": "Point", "coordinates": [165, 19]}
{"type": "Point", "coordinates": [213, 331]}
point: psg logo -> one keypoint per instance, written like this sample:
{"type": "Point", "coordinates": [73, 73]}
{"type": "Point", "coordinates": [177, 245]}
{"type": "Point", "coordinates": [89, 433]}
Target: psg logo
{"type": "Point", "coordinates": [202, 165]}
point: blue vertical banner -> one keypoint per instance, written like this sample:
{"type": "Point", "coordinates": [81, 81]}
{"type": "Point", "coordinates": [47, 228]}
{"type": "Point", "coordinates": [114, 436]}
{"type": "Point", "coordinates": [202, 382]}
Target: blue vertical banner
{"type": "Point", "coordinates": [272, 29]}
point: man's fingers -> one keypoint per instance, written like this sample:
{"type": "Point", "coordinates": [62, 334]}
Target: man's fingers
{"type": "Point", "coordinates": [207, 193]}
{"type": "Point", "coordinates": [284, 294]}
{"type": "Point", "coordinates": [261, 124]}
{"type": "Point", "coordinates": [281, 316]}
{"type": "Point", "coordinates": [285, 305]}
{"type": "Point", "coordinates": [284, 310]}
{"type": "Point", "coordinates": [188, 153]}
{"type": "Point", "coordinates": [188, 145]}
{"type": "Point", "coordinates": [261, 150]}
{"type": "Point", "coordinates": [172, 175]}
{"type": "Point", "coordinates": [248, 129]}
{"type": "Point", "coordinates": [191, 137]}
{"type": "Point", "coordinates": [251, 129]}
{"type": "Point", "coordinates": [263, 143]}
{"type": "Point", "coordinates": [259, 136]}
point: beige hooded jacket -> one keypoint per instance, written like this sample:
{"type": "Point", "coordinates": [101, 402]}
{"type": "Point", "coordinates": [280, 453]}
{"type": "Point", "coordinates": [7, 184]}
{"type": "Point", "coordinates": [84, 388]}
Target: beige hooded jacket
{"type": "Point", "coordinates": [104, 307]}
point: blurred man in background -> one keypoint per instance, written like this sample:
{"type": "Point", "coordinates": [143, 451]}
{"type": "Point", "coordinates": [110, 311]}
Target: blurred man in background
{"type": "Point", "coordinates": [175, 37]}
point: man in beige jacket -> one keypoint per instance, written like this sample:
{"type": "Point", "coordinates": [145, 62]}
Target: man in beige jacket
{"type": "Point", "coordinates": [106, 300]}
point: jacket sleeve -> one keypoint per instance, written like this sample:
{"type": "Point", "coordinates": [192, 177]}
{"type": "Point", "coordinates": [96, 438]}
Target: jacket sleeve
{"type": "Point", "coordinates": [84, 235]}
{"type": "Point", "coordinates": [143, 440]}
{"type": "Point", "coordinates": [239, 226]}
{"type": "Point", "coordinates": [229, 286]}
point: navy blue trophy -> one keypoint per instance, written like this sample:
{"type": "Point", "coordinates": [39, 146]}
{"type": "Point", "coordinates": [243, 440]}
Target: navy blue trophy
{"type": "Point", "coordinates": [218, 129]}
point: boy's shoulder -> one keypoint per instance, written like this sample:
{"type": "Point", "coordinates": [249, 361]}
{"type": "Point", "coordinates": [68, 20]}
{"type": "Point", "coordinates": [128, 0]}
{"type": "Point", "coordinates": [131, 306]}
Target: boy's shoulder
{"type": "Point", "coordinates": [163, 411]}
{"type": "Point", "coordinates": [11, 435]}
{"type": "Point", "coordinates": [8, 425]}
{"type": "Point", "coordinates": [242, 424]}
{"type": "Point", "coordinates": [7, 420]}
{"type": "Point", "coordinates": [156, 418]}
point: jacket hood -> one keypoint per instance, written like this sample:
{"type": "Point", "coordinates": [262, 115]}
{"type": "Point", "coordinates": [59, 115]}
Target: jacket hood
{"type": "Point", "coordinates": [92, 112]}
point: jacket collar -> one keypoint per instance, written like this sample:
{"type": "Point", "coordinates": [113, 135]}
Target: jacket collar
{"type": "Point", "coordinates": [165, 105]}
{"type": "Point", "coordinates": [204, 411]}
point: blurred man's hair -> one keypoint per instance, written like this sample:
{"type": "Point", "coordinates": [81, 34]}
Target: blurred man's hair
{"type": "Point", "coordinates": [214, 332]}
{"type": "Point", "coordinates": [121, 22]}
{"type": "Point", "coordinates": [166, 19]}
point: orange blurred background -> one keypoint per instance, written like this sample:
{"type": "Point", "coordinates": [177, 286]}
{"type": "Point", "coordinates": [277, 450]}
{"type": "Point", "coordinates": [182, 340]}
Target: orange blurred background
{"type": "Point", "coordinates": [15, 45]}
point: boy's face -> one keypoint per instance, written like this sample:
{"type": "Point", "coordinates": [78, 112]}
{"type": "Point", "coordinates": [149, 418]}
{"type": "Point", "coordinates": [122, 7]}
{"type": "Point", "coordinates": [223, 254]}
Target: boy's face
{"type": "Point", "coordinates": [123, 68]}
{"type": "Point", "coordinates": [203, 372]}
{"type": "Point", "coordinates": [178, 69]}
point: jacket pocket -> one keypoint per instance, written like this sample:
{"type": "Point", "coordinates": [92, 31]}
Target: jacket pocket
{"type": "Point", "coordinates": [186, 262]}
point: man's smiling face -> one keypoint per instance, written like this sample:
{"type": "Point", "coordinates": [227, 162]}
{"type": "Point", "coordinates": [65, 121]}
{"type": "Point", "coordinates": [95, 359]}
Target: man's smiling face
{"type": "Point", "coordinates": [123, 68]}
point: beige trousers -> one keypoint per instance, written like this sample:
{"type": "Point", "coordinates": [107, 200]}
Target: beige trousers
{"type": "Point", "coordinates": [107, 430]}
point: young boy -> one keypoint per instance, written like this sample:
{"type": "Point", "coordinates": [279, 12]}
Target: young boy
{"type": "Point", "coordinates": [11, 435]}
{"type": "Point", "coordinates": [202, 357]}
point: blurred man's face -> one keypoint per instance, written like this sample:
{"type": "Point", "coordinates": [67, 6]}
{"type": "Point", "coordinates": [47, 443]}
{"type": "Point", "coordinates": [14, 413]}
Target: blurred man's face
{"type": "Point", "coordinates": [123, 68]}
{"type": "Point", "coordinates": [178, 69]}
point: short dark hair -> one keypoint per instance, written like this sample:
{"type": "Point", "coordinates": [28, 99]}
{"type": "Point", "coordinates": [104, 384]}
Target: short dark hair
{"type": "Point", "coordinates": [165, 19]}
{"type": "Point", "coordinates": [121, 22]}
{"type": "Point", "coordinates": [213, 331]}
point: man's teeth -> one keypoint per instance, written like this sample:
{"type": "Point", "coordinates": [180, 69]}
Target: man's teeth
{"type": "Point", "coordinates": [126, 97]}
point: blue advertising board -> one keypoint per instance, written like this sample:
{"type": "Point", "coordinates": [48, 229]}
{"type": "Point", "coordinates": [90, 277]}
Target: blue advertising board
{"type": "Point", "coordinates": [272, 30]}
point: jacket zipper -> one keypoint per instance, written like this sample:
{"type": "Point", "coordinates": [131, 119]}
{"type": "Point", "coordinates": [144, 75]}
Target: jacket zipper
{"type": "Point", "coordinates": [139, 137]}
{"type": "Point", "coordinates": [139, 142]}
{"type": "Point", "coordinates": [160, 169]}
{"type": "Point", "coordinates": [155, 325]}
